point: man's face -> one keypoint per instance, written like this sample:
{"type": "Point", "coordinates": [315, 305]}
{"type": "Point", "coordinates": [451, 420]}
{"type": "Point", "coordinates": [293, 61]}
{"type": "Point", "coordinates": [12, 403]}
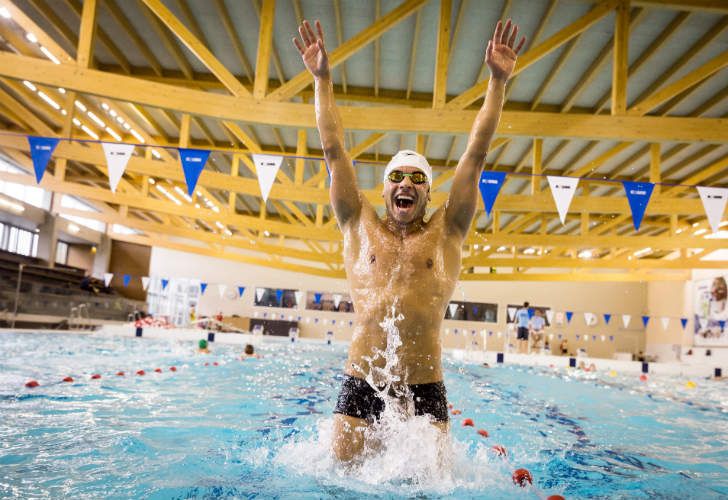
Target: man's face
{"type": "Point", "coordinates": [405, 201]}
{"type": "Point", "coordinates": [718, 289]}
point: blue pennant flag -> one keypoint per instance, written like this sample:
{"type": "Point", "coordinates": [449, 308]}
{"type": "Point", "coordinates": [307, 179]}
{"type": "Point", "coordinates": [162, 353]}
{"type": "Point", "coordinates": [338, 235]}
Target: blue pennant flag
{"type": "Point", "coordinates": [645, 320]}
{"type": "Point", "coordinates": [333, 321]}
{"type": "Point", "coordinates": [126, 279]}
{"type": "Point", "coordinates": [315, 320]}
{"type": "Point", "coordinates": [241, 290]}
{"type": "Point", "coordinates": [490, 184]}
{"type": "Point", "coordinates": [531, 312]}
{"type": "Point", "coordinates": [594, 337]}
{"type": "Point", "coordinates": [279, 295]}
{"type": "Point", "coordinates": [41, 149]}
{"type": "Point", "coordinates": [317, 298]}
{"type": "Point", "coordinates": [193, 162]}
{"type": "Point", "coordinates": [203, 287]}
{"type": "Point", "coordinates": [475, 310]}
{"type": "Point", "coordinates": [721, 322]}
{"type": "Point", "coordinates": [577, 337]}
{"type": "Point", "coordinates": [165, 282]}
{"type": "Point", "coordinates": [611, 338]}
{"type": "Point", "coordinates": [638, 195]}
{"type": "Point", "coordinates": [559, 336]}
{"type": "Point", "coordinates": [684, 322]}
{"type": "Point", "coordinates": [569, 315]}
{"type": "Point", "coordinates": [607, 317]}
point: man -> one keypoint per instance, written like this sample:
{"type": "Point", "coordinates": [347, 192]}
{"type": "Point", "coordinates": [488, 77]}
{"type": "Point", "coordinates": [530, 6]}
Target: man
{"type": "Point", "coordinates": [402, 261]}
{"type": "Point", "coordinates": [538, 323]}
{"type": "Point", "coordinates": [523, 318]}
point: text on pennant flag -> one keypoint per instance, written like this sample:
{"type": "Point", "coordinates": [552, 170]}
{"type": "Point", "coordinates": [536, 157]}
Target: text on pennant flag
{"type": "Point", "coordinates": [638, 196]}
{"type": "Point", "coordinates": [714, 201]}
{"type": "Point", "coordinates": [563, 190]}
{"type": "Point", "coordinates": [41, 150]}
{"type": "Point", "coordinates": [266, 167]}
{"type": "Point", "coordinates": [193, 163]}
{"type": "Point", "coordinates": [117, 156]}
{"type": "Point", "coordinates": [490, 185]}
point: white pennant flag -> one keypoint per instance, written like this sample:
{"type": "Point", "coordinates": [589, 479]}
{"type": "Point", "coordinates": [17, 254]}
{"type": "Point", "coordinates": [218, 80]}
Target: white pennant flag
{"type": "Point", "coordinates": [563, 189]}
{"type": "Point", "coordinates": [590, 319]}
{"type": "Point", "coordinates": [266, 167]}
{"type": "Point", "coordinates": [337, 299]}
{"type": "Point", "coordinates": [452, 308]}
{"type": "Point", "coordinates": [625, 320]}
{"type": "Point", "coordinates": [107, 278]}
{"type": "Point", "coordinates": [117, 156]}
{"type": "Point", "coordinates": [550, 316]}
{"type": "Point", "coordinates": [222, 289]}
{"type": "Point", "coordinates": [714, 200]}
{"type": "Point", "coordinates": [511, 313]}
{"type": "Point", "coordinates": [259, 292]}
{"type": "Point", "coordinates": [299, 297]}
{"type": "Point", "coordinates": [145, 282]}
{"type": "Point", "coordinates": [703, 323]}
{"type": "Point", "coordinates": [665, 322]}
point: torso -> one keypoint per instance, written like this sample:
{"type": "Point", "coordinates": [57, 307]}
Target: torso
{"type": "Point", "coordinates": [417, 273]}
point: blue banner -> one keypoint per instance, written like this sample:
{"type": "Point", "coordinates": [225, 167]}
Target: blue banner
{"type": "Point", "coordinates": [317, 298]}
{"type": "Point", "coordinates": [193, 162]}
{"type": "Point", "coordinates": [203, 287]}
{"type": "Point", "coordinates": [241, 291]}
{"type": "Point", "coordinates": [164, 284]}
{"type": "Point", "coordinates": [684, 322]}
{"type": "Point", "coordinates": [41, 149]}
{"type": "Point", "coordinates": [638, 195]}
{"type": "Point", "coordinates": [531, 312]}
{"type": "Point", "coordinates": [279, 295]}
{"type": "Point", "coordinates": [645, 320]}
{"type": "Point", "coordinates": [490, 184]}
{"type": "Point", "coordinates": [607, 317]}
{"type": "Point", "coordinates": [126, 279]}
{"type": "Point", "coordinates": [569, 315]}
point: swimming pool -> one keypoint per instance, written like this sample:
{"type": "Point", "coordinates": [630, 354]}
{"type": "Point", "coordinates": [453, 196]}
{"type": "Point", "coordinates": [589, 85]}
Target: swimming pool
{"type": "Point", "coordinates": [259, 428]}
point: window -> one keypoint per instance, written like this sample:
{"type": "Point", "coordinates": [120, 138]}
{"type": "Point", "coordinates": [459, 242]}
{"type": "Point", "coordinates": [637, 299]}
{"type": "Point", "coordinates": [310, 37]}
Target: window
{"type": "Point", "coordinates": [275, 297]}
{"type": "Point", "coordinates": [327, 301]}
{"type": "Point", "coordinates": [472, 311]}
{"type": "Point", "coordinates": [62, 253]}
{"type": "Point", "coordinates": [29, 194]}
{"type": "Point", "coordinates": [75, 203]}
{"type": "Point", "coordinates": [16, 240]}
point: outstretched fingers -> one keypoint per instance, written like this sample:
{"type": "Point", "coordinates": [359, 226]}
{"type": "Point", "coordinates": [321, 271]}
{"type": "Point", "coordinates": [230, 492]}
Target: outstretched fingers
{"type": "Point", "coordinates": [505, 33]}
{"type": "Point", "coordinates": [512, 38]}
{"type": "Point", "coordinates": [298, 45]}
{"type": "Point", "coordinates": [520, 44]}
{"type": "Point", "coordinates": [498, 31]}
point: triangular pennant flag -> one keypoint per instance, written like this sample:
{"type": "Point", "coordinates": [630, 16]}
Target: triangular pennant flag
{"type": "Point", "coordinates": [638, 196]}
{"type": "Point", "coordinates": [221, 288]}
{"type": "Point", "coordinates": [563, 190]}
{"type": "Point", "coordinates": [126, 279]}
{"type": "Point", "coordinates": [279, 295]}
{"type": "Point", "coordinates": [703, 323]}
{"type": "Point", "coordinates": [117, 156]}
{"type": "Point", "coordinates": [259, 292]}
{"type": "Point", "coordinates": [41, 149]}
{"type": "Point", "coordinates": [577, 337]}
{"type": "Point", "coordinates": [107, 278]}
{"type": "Point", "coordinates": [645, 320]}
{"type": "Point", "coordinates": [590, 319]}
{"type": "Point", "coordinates": [165, 282]}
{"type": "Point", "coordinates": [607, 317]}
{"type": "Point", "coordinates": [337, 300]}
{"type": "Point", "coordinates": [193, 162]}
{"type": "Point", "coordinates": [317, 298]}
{"type": "Point", "coordinates": [714, 200]}
{"type": "Point", "coordinates": [266, 166]}
{"type": "Point", "coordinates": [626, 318]}
{"type": "Point", "coordinates": [203, 287]}
{"type": "Point", "coordinates": [684, 322]}
{"type": "Point", "coordinates": [512, 313]}
{"type": "Point", "coordinates": [550, 316]}
{"type": "Point", "coordinates": [611, 338]}
{"type": "Point", "coordinates": [145, 282]}
{"type": "Point", "coordinates": [569, 314]}
{"type": "Point", "coordinates": [241, 290]}
{"type": "Point", "coordinates": [452, 308]}
{"type": "Point", "coordinates": [299, 297]}
{"type": "Point", "coordinates": [665, 322]}
{"type": "Point", "coordinates": [490, 184]}
{"type": "Point", "coordinates": [721, 323]}
{"type": "Point", "coordinates": [475, 310]}
{"type": "Point", "coordinates": [531, 312]}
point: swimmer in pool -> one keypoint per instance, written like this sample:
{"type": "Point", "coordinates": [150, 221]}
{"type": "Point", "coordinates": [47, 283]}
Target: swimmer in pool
{"type": "Point", "coordinates": [403, 259]}
{"type": "Point", "coordinates": [202, 347]}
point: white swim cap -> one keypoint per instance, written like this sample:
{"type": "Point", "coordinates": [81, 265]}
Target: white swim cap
{"type": "Point", "coordinates": [408, 158]}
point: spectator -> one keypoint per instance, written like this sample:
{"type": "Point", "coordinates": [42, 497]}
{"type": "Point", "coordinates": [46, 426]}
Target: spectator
{"type": "Point", "coordinates": [564, 347]}
{"type": "Point", "coordinates": [522, 322]}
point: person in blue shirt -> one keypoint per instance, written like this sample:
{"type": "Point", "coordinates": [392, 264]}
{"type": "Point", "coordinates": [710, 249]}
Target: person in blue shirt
{"type": "Point", "coordinates": [538, 323]}
{"type": "Point", "coordinates": [522, 322]}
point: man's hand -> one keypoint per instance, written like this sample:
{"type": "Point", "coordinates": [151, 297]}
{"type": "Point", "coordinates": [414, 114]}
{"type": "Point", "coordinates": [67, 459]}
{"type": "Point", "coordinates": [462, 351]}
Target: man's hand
{"type": "Point", "coordinates": [500, 56]}
{"type": "Point", "coordinates": [312, 50]}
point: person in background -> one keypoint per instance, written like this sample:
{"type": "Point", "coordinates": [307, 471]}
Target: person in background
{"type": "Point", "coordinates": [202, 347]}
{"type": "Point", "coordinates": [538, 322]}
{"type": "Point", "coordinates": [522, 322]}
{"type": "Point", "coordinates": [249, 352]}
{"type": "Point", "coordinates": [564, 347]}
{"type": "Point", "coordinates": [193, 315]}
{"type": "Point", "coordinates": [218, 319]}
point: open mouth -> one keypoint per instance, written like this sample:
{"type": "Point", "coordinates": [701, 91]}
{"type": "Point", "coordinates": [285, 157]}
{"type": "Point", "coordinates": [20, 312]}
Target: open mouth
{"type": "Point", "coordinates": [404, 201]}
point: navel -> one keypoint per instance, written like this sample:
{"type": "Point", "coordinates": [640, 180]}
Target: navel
{"type": "Point", "coordinates": [372, 259]}
{"type": "Point", "coordinates": [429, 263]}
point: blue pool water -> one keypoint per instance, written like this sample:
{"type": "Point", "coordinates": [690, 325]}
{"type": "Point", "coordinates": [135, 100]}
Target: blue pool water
{"type": "Point", "coordinates": [260, 428]}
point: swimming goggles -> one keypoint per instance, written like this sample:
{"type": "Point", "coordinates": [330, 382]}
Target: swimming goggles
{"type": "Point", "coordinates": [398, 176]}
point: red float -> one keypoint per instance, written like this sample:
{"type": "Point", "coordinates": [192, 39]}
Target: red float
{"type": "Point", "coordinates": [483, 433]}
{"type": "Point", "coordinates": [521, 477]}
{"type": "Point", "coordinates": [68, 379]}
{"type": "Point", "coordinates": [555, 497]}
{"type": "Point", "coordinates": [173, 368]}
{"type": "Point", "coordinates": [499, 450]}
{"type": "Point", "coordinates": [119, 374]}
{"type": "Point", "coordinates": [31, 384]}
{"type": "Point", "coordinates": [141, 372]}
{"type": "Point", "coordinates": [158, 370]}
{"type": "Point", "coordinates": [456, 412]}
{"type": "Point", "coordinates": [207, 364]}
{"type": "Point", "coordinates": [450, 406]}
{"type": "Point", "coordinates": [468, 422]}
{"type": "Point", "coordinates": [95, 376]}
{"type": "Point", "coordinates": [215, 363]}
{"type": "Point", "coordinates": [643, 378]}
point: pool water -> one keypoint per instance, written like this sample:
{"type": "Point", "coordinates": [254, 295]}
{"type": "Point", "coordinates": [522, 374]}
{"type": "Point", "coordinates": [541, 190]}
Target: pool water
{"type": "Point", "coordinates": [261, 428]}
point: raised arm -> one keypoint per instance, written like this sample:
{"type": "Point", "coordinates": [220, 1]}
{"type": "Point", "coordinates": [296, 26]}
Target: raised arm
{"type": "Point", "coordinates": [500, 57]}
{"type": "Point", "coordinates": [346, 199]}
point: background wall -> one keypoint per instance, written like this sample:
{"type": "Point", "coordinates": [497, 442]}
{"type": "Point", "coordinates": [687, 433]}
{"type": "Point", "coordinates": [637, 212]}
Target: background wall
{"type": "Point", "coordinates": [80, 256]}
{"type": "Point", "coordinates": [132, 259]}
{"type": "Point", "coordinates": [598, 298]}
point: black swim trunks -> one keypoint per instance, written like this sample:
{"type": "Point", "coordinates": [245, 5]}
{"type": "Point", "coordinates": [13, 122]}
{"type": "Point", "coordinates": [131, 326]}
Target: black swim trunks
{"type": "Point", "coordinates": [522, 333]}
{"type": "Point", "coordinates": [358, 399]}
